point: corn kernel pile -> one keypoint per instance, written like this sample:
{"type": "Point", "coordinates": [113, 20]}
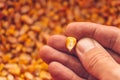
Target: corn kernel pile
{"type": "Point", "coordinates": [25, 26]}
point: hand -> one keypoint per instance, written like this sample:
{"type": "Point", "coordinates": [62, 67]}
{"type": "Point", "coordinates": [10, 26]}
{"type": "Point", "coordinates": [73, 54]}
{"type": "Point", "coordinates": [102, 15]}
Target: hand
{"type": "Point", "coordinates": [68, 67]}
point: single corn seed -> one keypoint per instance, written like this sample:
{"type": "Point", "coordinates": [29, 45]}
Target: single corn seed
{"type": "Point", "coordinates": [28, 75]}
{"type": "Point", "coordinates": [70, 43]}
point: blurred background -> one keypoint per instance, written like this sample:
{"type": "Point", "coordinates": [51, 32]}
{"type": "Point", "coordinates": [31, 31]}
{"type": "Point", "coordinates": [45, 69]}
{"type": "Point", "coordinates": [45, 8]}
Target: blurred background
{"type": "Point", "coordinates": [25, 26]}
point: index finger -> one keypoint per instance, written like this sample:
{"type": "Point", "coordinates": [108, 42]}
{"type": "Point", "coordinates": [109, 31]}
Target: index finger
{"type": "Point", "coordinates": [108, 37]}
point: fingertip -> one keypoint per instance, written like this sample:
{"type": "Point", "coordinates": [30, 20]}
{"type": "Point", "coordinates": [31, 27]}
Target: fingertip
{"type": "Point", "coordinates": [69, 28]}
{"type": "Point", "coordinates": [61, 72]}
{"type": "Point", "coordinates": [54, 69]}
{"type": "Point", "coordinates": [58, 42]}
{"type": "Point", "coordinates": [73, 29]}
{"type": "Point", "coordinates": [80, 29]}
{"type": "Point", "coordinates": [53, 39]}
{"type": "Point", "coordinates": [43, 52]}
{"type": "Point", "coordinates": [52, 66]}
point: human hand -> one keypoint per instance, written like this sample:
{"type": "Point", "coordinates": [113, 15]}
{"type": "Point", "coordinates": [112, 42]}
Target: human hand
{"type": "Point", "coordinates": [104, 35]}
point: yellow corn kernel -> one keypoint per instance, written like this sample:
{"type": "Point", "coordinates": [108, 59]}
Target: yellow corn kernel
{"type": "Point", "coordinates": [45, 75]}
{"type": "Point", "coordinates": [1, 67]}
{"type": "Point", "coordinates": [13, 68]}
{"type": "Point", "coordinates": [28, 75]}
{"type": "Point", "coordinates": [3, 78]}
{"type": "Point", "coordinates": [70, 43]}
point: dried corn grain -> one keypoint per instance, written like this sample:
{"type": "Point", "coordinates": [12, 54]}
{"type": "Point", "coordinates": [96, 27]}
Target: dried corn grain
{"type": "Point", "coordinates": [70, 43]}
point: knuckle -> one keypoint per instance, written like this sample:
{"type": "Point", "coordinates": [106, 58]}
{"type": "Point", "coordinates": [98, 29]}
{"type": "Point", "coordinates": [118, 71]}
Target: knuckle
{"type": "Point", "coordinates": [96, 59]}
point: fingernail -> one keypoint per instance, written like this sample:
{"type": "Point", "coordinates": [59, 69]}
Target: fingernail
{"type": "Point", "coordinates": [85, 45]}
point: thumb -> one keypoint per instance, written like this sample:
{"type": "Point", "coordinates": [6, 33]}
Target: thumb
{"type": "Point", "coordinates": [96, 60]}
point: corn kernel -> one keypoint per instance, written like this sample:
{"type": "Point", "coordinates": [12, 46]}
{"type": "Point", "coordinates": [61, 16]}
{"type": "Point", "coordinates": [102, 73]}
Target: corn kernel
{"type": "Point", "coordinates": [70, 43]}
{"type": "Point", "coordinates": [28, 75]}
{"type": "Point", "coordinates": [3, 78]}
{"type": "Point", "coordinates": [1, 66]}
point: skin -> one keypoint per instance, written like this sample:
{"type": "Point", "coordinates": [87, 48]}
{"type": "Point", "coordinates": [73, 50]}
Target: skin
{"type": "Point", "coordinates": [104, 57]}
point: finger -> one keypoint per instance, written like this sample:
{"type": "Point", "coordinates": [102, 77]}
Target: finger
{"type": "Point", "coordinates": [92, 78]}
{"type": "Point", "coordinates": [58, 42]}
{"type": "Point", "coordinates": [60, 72]}
{"type": "Point", "coordinates": [115, 56]}
{"type": "Point", "coordinates": [49, 54]}
{"type": "Point", "coordinates": [107, 36]}
{"type": "Point", "coordinates": [96, 60]}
